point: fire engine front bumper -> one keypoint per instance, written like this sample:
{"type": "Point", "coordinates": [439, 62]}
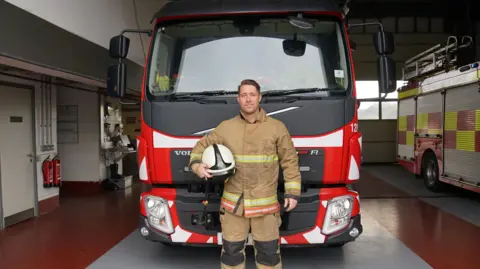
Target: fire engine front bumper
{"type": "Point", "coordinates": [149, 233]}
{"type": "Point", "coordinates": [349, 234]}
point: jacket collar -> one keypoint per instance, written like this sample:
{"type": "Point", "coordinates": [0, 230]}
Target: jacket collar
{"type": "Point", "coordinates": [261, 116]}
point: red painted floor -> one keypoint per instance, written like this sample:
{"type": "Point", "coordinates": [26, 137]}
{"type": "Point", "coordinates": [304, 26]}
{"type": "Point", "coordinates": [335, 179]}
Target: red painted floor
{"type": "Point", "coordinates": [74, 235]}
{"type": "Point", "coordinates": [84, 228]}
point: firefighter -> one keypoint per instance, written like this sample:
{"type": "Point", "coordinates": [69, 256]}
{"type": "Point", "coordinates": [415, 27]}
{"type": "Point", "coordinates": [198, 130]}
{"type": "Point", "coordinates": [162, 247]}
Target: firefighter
{"type": "Point", "coordinates": [249, 203]}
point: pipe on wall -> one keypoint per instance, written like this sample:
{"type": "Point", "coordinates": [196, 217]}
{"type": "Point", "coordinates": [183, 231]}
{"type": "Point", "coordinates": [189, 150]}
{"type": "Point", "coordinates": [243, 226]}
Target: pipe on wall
{"type": "Point", "coordinates": [42, 116]}
{"type": "Point", "coordinates": [49, 108]}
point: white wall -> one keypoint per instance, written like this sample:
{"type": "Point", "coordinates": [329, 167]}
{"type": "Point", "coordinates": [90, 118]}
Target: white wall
{"type": "Point", "coordinates": [80, 161]}
{"type": "Point", "coordinates": [97, 20]}
{"type": "Point", "coordinates": [43, 193]}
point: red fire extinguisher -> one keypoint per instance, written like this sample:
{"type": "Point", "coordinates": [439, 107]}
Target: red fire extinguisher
{"type": "Point", "coordinates": [57, 178]}
{"type": "Point", "coordinates": [47, 167]}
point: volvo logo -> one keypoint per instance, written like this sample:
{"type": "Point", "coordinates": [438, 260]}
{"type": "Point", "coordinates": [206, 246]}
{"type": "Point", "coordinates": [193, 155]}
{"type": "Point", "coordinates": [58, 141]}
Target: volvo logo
{"type": "Point", "coordinates": [182, 152]}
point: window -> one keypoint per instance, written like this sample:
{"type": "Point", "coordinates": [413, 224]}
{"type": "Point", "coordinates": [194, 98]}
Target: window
{"type": "Point", "coordinates": [367, 89]}
{"type": "Point", "coordinates": [376, 110]}
{"type": "Point", "coordinates": [389, 110]}
{"type": "Point", "coordinates": [368, 111]}
{"type": "Point", "coordinates": [216, 55]}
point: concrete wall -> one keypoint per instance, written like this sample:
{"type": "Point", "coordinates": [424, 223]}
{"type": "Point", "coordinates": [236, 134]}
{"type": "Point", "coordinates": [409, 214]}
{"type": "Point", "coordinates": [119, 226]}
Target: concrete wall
{"type": "Point", "coordinates": [378, 119]}
{"type": "Point", "coordinates": [30, 39]}
{"type": "Point", "coordinates": [378, 140]}
{"type": "Point", "coordinates": [412, 36]}
{"type": "Point", "coordinates": [43, 193]}
{"type": "Point", "coordinates": [80, 160]}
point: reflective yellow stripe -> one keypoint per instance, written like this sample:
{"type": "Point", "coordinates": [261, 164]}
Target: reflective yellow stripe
{"type": "Point", "coordinates": [256, 158]}
{"type": "Point", "coordinates": [231, 196]}
{"type": "Point", "coordinates": [293, 185]}
{"type": "Point", "coordinates": [410, 138]}
{"type": "Point", "coordinates": [261, 201]}
{"type": "Point", "coordinates": [477, 120]}
{"type": "Point", "coordinates": [434, 131]}
{"type": "Point", "coordinates": [422, 121]}
{"type": "Point", "coordinates": [195, 156]}
{"type": "Point", "coordinates": [402, 123]}
{"type": "Point", "coordinates": [466, 140]}
{"type": "Point", "coordinates": [450, 121]}
{"type": "Point", "coordinates": [408, 93]}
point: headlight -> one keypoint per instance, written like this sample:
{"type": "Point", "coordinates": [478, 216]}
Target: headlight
{"type": "Point", "coordinates": [158, 214]}
{"type": "Point", "coordinates": [338, 214]}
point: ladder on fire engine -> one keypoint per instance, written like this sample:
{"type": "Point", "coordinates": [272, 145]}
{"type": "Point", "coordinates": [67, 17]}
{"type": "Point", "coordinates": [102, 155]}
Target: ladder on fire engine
{"type": "Point", "coordinates": [438, 59]}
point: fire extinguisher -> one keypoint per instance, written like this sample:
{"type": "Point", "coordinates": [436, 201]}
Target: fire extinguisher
{"type": "Point", "coordinates": [57, 178]}
{"type": "Point", "coordinates": [47, 168]}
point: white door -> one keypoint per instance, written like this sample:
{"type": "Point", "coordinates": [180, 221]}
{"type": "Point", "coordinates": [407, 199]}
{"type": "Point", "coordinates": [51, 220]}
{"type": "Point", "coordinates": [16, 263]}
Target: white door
{"type": "Point", "coordinates": [16, 149]}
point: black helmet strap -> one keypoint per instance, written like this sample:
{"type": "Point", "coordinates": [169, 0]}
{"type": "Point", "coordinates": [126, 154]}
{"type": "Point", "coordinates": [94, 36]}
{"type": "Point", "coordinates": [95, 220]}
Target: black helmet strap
{"type": "Point", "coordinates": [218, 156]}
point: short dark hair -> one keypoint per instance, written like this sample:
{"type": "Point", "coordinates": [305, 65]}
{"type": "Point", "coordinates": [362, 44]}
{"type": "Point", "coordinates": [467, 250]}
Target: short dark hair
{"type": "Point", "coordinates": [250, 82]}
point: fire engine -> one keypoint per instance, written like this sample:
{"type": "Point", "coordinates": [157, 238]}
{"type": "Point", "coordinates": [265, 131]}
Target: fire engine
{"type": "Point", "coordinates": [438, 135]}
{"type": "Point", "coordinates": [199, 52]}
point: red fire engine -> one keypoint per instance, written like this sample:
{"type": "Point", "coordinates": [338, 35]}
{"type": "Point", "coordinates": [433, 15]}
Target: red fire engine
{"type": "Point", "coordinates": [439, 116]}
{"type": "Point", "coordinates": [199, 52]}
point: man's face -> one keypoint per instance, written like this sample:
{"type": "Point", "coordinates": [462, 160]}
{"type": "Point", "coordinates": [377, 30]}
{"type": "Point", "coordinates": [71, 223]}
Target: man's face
{"type": "Point", "coordinates": [249, 99]}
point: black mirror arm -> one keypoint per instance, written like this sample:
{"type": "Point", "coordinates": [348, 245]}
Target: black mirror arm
{"type": "Point", "coordinates": [145, 31]}
{"type": "Point", "coordinates": [124, 103]}
{"type": "Point", "coordinates": [365, 24]}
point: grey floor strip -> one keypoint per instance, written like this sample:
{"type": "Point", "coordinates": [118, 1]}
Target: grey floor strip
{"type": "Point", "coordinates": [375, 249]}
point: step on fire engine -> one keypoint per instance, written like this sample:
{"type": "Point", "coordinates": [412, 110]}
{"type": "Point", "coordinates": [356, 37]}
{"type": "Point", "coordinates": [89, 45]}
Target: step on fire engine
{"type": "Point", "coordinates": [438, 134]}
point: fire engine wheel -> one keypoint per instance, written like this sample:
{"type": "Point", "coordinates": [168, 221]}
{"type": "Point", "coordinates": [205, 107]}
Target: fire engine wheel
{"type": "Point", "coordinates": [430, 172]}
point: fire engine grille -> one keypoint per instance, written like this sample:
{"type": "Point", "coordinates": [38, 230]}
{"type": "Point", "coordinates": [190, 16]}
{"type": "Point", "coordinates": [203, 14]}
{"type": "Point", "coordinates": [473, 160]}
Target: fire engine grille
{"type": "Point", "coordinates": [189, 205]}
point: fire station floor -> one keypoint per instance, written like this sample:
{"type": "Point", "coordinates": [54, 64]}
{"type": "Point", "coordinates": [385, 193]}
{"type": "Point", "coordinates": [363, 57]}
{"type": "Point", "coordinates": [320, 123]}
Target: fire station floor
{"type": "Point", "coordinates": [405, 226]}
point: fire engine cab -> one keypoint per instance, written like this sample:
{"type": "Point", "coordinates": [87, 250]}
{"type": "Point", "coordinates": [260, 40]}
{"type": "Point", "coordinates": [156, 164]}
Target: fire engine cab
{"type": "Point", "coordinates": [300, 52]}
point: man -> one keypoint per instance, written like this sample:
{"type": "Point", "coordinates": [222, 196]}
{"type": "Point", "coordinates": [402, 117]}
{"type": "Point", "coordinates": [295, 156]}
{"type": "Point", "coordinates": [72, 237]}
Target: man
{"type": "Point", "coordinates": [260, 144]}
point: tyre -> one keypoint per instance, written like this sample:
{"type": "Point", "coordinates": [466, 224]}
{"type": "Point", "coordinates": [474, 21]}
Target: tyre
{"type": "Point", "coordinates": [431, 173]}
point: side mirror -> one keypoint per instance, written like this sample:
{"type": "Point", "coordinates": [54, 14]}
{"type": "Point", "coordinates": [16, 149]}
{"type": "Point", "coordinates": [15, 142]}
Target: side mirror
{"type": "Point", "coordinates": [386, 70]}
{"type": "Point", "coordinates": [294, 47]}
{"type": "Point", "coordinates": [384, 43]}
{"type": "Point", "coordinates": [117, 80]}
{"type": "Point", "coordinates": [119, 46]}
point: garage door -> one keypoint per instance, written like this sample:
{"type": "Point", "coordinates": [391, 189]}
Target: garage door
{"type": "Point", "coordinates": [16, 149]}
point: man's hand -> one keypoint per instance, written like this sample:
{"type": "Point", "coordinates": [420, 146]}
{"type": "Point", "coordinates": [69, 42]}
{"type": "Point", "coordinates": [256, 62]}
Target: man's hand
{"type": "Point", "coordinates": [200, 169]}
{"type": "Point", "coordinates": [291, 203]}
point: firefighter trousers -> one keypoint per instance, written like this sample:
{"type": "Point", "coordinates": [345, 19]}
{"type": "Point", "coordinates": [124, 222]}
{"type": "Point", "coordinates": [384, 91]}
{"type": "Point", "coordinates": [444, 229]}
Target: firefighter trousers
{"type": "Point", "coordinates": [265, 233]}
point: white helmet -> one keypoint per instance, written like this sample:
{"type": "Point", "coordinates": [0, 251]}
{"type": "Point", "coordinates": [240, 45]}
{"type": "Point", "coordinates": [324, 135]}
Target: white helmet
{"type": "Point", "coordinates": [219, 158]}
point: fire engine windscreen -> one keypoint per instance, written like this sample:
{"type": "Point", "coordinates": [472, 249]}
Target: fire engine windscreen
{"type": "Point", "coordinates": [216, 55]}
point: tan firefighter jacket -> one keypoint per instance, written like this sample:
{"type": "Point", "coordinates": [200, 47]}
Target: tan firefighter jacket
{"type": "Point", "coordinates": [259, 149]}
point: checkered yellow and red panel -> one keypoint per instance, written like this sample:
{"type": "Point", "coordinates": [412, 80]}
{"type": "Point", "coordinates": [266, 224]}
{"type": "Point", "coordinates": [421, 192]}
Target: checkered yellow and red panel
{"type": "Point", "coordinates": [429, 123]}
{"type": "Point", "coordinates": [462, 130]}
{"type": "Point", "coordinates": [405, 130]}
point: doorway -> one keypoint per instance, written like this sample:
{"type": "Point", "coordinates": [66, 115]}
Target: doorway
{"type": "Point", "coordinates": [17, 154]}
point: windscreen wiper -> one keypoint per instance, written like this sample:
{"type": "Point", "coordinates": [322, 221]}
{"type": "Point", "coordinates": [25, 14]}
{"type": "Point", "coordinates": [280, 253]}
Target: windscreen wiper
{"type": "Point", "coordinates": [199, 97]}
{"type": "Point", "coordinates": [204, 93]}
{"type": "Point", "coordinates": [299, 90]}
